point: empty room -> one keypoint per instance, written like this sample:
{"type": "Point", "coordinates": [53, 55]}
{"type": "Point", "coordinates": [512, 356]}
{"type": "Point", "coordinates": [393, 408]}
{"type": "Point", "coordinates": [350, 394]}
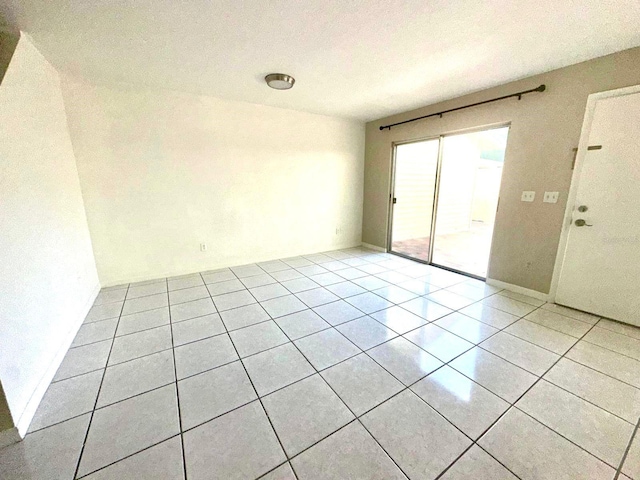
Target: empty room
{"type": "Point", "coordinates": [319, 240]}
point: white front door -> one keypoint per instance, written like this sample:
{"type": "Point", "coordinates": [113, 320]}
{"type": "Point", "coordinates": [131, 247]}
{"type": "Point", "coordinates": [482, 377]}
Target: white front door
{"type": "Point", "coordinates": [601, 268]}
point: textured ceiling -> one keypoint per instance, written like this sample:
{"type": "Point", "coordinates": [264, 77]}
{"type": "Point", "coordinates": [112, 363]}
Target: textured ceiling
{"type": "Point", "coordinates": [361, 59]}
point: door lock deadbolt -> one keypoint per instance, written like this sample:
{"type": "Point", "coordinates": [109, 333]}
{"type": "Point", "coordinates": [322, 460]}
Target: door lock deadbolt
{"type": "Point", "coordinates": [583, 208]}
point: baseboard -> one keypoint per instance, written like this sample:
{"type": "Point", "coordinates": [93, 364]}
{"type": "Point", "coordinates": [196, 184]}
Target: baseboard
{"type": "Point", "coordinates": [36, 397]}
{"type": "Point", "coordinates": [9, 437]}
{"type": "Point", "coordinates": [518, 289]}
{"type": "Point", "coordinates": [227, 264]}
{"type": "Point", "coordinates": [374, 247]}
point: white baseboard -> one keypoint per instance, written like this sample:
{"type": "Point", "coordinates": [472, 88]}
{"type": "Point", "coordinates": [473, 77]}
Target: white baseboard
{"type": "Point", "coordinates": [374, 247]}
{"type": "Point", "coordinates": [518, 289]}
{"type": "Point", "coordinates": [230, 263]}
{"type": "Point", "coordinates": [9, 437]}
{"type": "Point", "coordinates": [36, 397]}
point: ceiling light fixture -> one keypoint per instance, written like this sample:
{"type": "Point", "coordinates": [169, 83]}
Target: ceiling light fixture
{"type": "Point", "coordinates": [280, 81]}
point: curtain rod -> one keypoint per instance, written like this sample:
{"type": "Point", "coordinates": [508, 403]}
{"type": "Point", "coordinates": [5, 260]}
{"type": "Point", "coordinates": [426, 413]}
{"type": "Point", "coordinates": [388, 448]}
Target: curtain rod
{"type": "Point", "coordinates": [540, 88]}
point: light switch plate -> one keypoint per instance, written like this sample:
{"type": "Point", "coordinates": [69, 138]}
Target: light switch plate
{"type": "Point", "coordinates": [551, 197]}
{"type": "Point", "coordinates": [528, 196]}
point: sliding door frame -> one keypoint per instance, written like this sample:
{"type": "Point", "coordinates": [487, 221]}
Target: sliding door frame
{"type": "Point", "coordinates": [392, 193]}
{"type": "Point", "coordinates": [434, 213]}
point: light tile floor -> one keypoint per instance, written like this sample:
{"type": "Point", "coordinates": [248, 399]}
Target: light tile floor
{"type": "Point", "coordinates": [347, 364]}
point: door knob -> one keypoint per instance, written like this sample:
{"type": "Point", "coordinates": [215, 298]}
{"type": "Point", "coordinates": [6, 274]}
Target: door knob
{"type": "Point", "coordinates": [582, 223]}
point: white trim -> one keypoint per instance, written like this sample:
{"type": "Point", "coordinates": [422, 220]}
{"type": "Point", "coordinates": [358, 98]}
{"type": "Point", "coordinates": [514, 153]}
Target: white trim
{"type": "Point", "coordinates": [573, 189]}
{"type": "Point", "coordinates": [36, 397]}
{"type": "Point", "coordinates": [518, 289]}
{"type": "Point", "coordinates": [9, 437]}
{"type": "Point", "coordinates": [227, 264]}
{"type": "Point", "coordinates": [374, 247]}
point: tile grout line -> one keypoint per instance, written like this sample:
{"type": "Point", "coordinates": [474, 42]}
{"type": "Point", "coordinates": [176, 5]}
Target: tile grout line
{"type": "Point", "coordinates": [361, 351]}
{"type": "Point", "coordinates": [344, 323]}
{"type": "Point", "coordinates": [367, 315]}
{"type": "Point", "coordinates": [513, 405]}
{"type": "Point", "coordinates": [273, 428]}
{"type": "Point", "coordinates": [130, 454]}
{"type": "Point", "coordinates": [281, 283]}
{"type": "Point", "coordinates": [286, 462]}
{"type": "Point", "coordinates": [565, 437]}
{"type": "Point", "coordinates": [447, 364]}
{"type": "Point", "coordinates": [610, 350]}
{"type": "Point", "coordinates": [406, 388]}
{"type": "Point", "coordinates": [175, 376]}
{"type": "Point", "coordinates": [104, 373]}
{"type": "Point", "coordinates": [439, 288]}
{"type": "Point", "coordinates": [162, 279]}
{"type": "Point", "coordinates": [335, 393]}
{"type": "Point", "coordinates": [584, 399]}
{"type": "Point", "coordinates": [617, 322]}
{"type": "Point", "coordinates": [259, 399]}
{"type": "Point", "coordinates": [301, 380]}
{"type": "Point", "coordinates": [634, 434]}
{"type": "Point", "coordinates": [409, 388]}
{"type": "Point", "coordinates": [375, 406]}
{"type": "Point", "coordinates": [600, 372]}
{"type": "Point", "coordinates": [429, 322]}
{"type": "Point", "coordinates": [226, 363]}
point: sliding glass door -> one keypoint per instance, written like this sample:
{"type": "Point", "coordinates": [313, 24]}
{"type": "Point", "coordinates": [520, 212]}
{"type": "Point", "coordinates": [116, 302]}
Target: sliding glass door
{"type": "Point", "coordinates": [468, 199]}
{"type": "Point", "coordinates": [446, 195]}
{"type": "Point", "coordinates": [413, 198]}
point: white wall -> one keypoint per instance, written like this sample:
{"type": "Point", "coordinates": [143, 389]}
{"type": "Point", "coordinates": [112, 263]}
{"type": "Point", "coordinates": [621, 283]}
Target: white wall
{"type": "Point", "coordinates": [48, 277]}
{"type": "Point", "coordinates": [162, 172]}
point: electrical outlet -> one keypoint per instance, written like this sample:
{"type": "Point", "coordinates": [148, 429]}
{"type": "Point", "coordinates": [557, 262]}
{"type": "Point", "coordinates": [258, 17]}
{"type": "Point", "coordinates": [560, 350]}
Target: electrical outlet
{"type": "Point", "coordinates": [203, 247]}
{"type": "Point", "coordinates": [551, 197]}
{"type": "Point", "coordinates": [528, 196]}
{"type": "Point", "coordinates": [338, 231]}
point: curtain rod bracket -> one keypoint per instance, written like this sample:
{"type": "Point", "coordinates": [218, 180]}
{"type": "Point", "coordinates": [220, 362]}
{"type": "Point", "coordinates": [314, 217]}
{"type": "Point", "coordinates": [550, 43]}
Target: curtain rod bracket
{"type": "Point", "coordinates": [539, 88]}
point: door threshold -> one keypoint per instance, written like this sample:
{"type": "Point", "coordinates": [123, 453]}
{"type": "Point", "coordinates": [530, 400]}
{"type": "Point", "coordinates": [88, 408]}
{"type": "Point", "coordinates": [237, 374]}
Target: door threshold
{"type": "Point", "coordinates": [449, 269]}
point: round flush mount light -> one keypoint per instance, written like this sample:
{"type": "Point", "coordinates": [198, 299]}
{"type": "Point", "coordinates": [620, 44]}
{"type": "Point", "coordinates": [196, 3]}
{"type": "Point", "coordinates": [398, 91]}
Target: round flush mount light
{"type": "Point", "coordinates": [280, 81]}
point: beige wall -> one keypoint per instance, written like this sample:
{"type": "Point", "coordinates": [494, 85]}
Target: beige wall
{"type": "Point", "coordinates": [162, 172]}
{"type": "Point", "coordinates": [8, 43]}
{"type": "Point", "coordinates": [545, 127]}
{"type": "Point", "coordinates": [48, 276]}
{"type": "Point", "coordinates": [6, 421]}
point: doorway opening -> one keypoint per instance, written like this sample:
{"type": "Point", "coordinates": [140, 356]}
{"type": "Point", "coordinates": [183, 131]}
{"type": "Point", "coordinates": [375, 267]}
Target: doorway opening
{"type": "Point", "coordinates": [444, 199]}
